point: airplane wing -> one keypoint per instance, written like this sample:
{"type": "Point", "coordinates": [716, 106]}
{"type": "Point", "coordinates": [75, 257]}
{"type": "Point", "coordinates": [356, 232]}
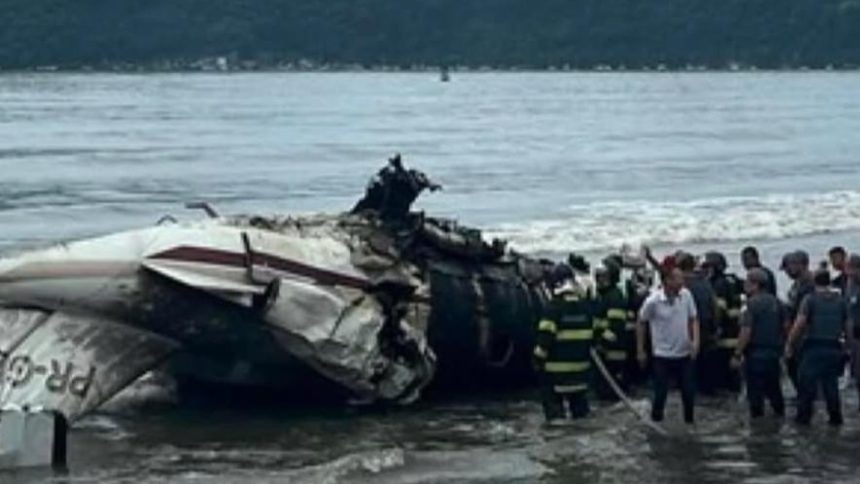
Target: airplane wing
{"type": "Point", "coordinates": [69, 362]}
{"type": "Point", "coordinates": [324, 318]}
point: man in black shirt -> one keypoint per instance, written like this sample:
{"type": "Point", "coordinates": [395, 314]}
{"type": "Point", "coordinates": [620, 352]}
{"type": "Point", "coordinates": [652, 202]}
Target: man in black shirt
{"type": "Point", "coordinates": [837, 256]}
{"type": "Point", "coordinates": [697, 283]}
{"type": "Point", "coordinates": [750, 260]}
{"type": "Point", "coordinates": [796, 267]}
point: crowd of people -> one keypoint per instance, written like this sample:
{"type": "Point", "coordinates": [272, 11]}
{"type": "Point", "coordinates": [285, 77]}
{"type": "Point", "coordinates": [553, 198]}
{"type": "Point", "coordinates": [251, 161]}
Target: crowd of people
{"type": "Point", "coordinates": [702, 327]}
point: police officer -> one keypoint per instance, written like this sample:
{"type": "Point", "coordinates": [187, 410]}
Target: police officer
{"type": "Point", "coordinates": [760, 344]}
{"type": "Point", "coordinates": [852, 298]}
{"type": "Point", "coordinates": [728, 290]}
{"type": "Point", "coordinates": [562, 353]}
{"type": "Point", "coordinates": [823, 317]}
{"type": "Point", "coordinates": [611, 327]}
{"type": "Point", "coordinates": [796, 267]}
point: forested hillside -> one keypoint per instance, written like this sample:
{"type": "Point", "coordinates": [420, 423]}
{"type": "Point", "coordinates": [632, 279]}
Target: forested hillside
{"type": "Point", "coordinates": [495, 33]}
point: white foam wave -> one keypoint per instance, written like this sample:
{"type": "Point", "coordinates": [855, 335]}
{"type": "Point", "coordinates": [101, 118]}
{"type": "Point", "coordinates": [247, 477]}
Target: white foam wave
{"type": "Point", "coordinates": [607, 225]}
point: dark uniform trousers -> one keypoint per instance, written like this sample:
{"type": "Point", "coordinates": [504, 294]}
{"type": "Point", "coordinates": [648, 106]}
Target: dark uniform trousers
{"type": "Point", "coordinates": [683, 370]}
{"type": "Point", "coordinates": [612, 335]}
{"type": "Point", "coordinates": [729, 305]}
{"type": "Point", "coordinates": [556, 404]}
{"type": "Point", "coordinates": [564, 340]}
{"type": "Point", "coordinates": [821, 364]}
{"type": "Point", "coordinates": [763, 375]}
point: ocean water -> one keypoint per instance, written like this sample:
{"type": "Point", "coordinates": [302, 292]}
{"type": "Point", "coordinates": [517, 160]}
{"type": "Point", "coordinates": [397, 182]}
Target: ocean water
{"type": "Point", "coordinates": [552, 162]}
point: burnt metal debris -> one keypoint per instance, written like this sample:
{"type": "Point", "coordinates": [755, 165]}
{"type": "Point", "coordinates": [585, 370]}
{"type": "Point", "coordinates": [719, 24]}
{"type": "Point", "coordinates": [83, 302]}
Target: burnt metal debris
{"type": "Point", "coordinates": [379, 304]}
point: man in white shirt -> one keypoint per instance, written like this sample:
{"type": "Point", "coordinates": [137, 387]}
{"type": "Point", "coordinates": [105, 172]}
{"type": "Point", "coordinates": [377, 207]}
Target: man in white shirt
{"type": "Point", "coordinates": [670, 313]}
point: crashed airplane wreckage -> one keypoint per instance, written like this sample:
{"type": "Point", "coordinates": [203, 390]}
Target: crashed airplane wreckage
{"type": "Point", "coordinates": [380, 302]}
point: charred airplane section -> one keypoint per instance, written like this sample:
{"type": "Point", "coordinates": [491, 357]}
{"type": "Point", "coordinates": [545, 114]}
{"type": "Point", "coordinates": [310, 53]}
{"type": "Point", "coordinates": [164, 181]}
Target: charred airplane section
{"type": "Point", "coordinates": [379, 303]}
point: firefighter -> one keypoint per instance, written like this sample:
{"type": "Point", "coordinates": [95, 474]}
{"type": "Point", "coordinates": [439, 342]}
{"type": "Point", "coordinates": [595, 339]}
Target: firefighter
{"type": "Point", "coordinates": [638, 287]}
{"type": "Point", "coordinates": [611, 327]}
{"type": "Point", "coordinates": [562, 353]}
{"type": "Point", "coordinates": [728, 290]}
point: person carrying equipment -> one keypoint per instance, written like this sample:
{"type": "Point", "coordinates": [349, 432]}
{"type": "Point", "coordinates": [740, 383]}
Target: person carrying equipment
{"type": "Point", "coordinates": [823, 318]}
{"type": "Point", "coordinates": [727, 289]}
{"type": "Point", "coordinates": [562, 353]}
{"type": "Point", "coordinates": [611, 327]}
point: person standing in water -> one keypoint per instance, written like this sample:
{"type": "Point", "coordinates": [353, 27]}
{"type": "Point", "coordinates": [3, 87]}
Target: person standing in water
{"type": "Point", "coordinates": [670, 314]}
{"type": "Point", "coordinates": [796, 267]}
{"type": "Point", "coordinates": [852, 298]}
{"type": "Point", "coordinates": [760, 345]}
{"type": "Point", "coordinates": [562, 354]}
{"type": "Point", "coordinates": [823, 319]}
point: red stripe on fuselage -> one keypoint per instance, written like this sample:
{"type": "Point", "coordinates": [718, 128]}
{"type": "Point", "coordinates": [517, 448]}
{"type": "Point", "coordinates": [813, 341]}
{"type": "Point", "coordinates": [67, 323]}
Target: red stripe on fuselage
{"type": "Point", "coordinates": [221, 257]}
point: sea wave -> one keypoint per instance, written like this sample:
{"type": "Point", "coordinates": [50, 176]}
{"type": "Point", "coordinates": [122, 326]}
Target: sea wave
{"type": "Point", "coordinates": [608, 225]}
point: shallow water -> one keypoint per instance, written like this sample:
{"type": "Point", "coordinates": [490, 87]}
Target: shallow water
{"type": "Point", "coordinates": [555, 162]}
{"type": "Point", "coordinates": [480, 440]}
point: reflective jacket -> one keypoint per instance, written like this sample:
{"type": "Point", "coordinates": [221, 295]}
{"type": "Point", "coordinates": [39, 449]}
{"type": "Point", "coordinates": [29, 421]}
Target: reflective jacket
{"type": "Point", "coordinates": [564, 340]}
{"type": "Point", "coordinates": [610, 324]}
{"type": "Point", "coordinates": [728, 290]}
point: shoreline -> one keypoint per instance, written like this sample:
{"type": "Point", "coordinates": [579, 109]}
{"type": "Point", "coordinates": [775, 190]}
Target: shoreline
{"type": "Point", "coordinates": [221, 68]}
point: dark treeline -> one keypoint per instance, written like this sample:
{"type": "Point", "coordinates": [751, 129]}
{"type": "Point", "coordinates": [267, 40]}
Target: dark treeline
{"type": "Point", "coordinates": [495, 33]}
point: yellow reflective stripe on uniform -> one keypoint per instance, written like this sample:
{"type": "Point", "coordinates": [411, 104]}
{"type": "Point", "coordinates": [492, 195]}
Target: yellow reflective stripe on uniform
{"type": "Point", "coordinates": [733, 313]}
{"type": "Point", "coordinates": [547, 325]}
{"type": "Point", "coordinates": [566, 366]}
{"type": "Point", "coordinates": [570, 388]}
{"type": "Point", "coordinates": [575, 335]}
{"type": "Point", "coordinates": [721, 303]}
{"type": "Point", "coordinates": [616, 355]}
{"type": "Point", "coordinates": [608, 335]}
{"type": "Point", "coordinates": [631, 314]}
{"type": "Point", "coordinates": [630, 326]}
{"type": "Point", "coordinates": [616, 314]}
{"type": "Point", "coordinates": [728, 343]}
{"type": "Point", "coordinates": [601, 323]}
{"type": "Point", "coordinates": [541, 353]}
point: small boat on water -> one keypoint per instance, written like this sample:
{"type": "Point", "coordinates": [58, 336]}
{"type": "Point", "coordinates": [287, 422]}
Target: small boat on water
{"type": "Point", "coordinates": [444, 75]}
